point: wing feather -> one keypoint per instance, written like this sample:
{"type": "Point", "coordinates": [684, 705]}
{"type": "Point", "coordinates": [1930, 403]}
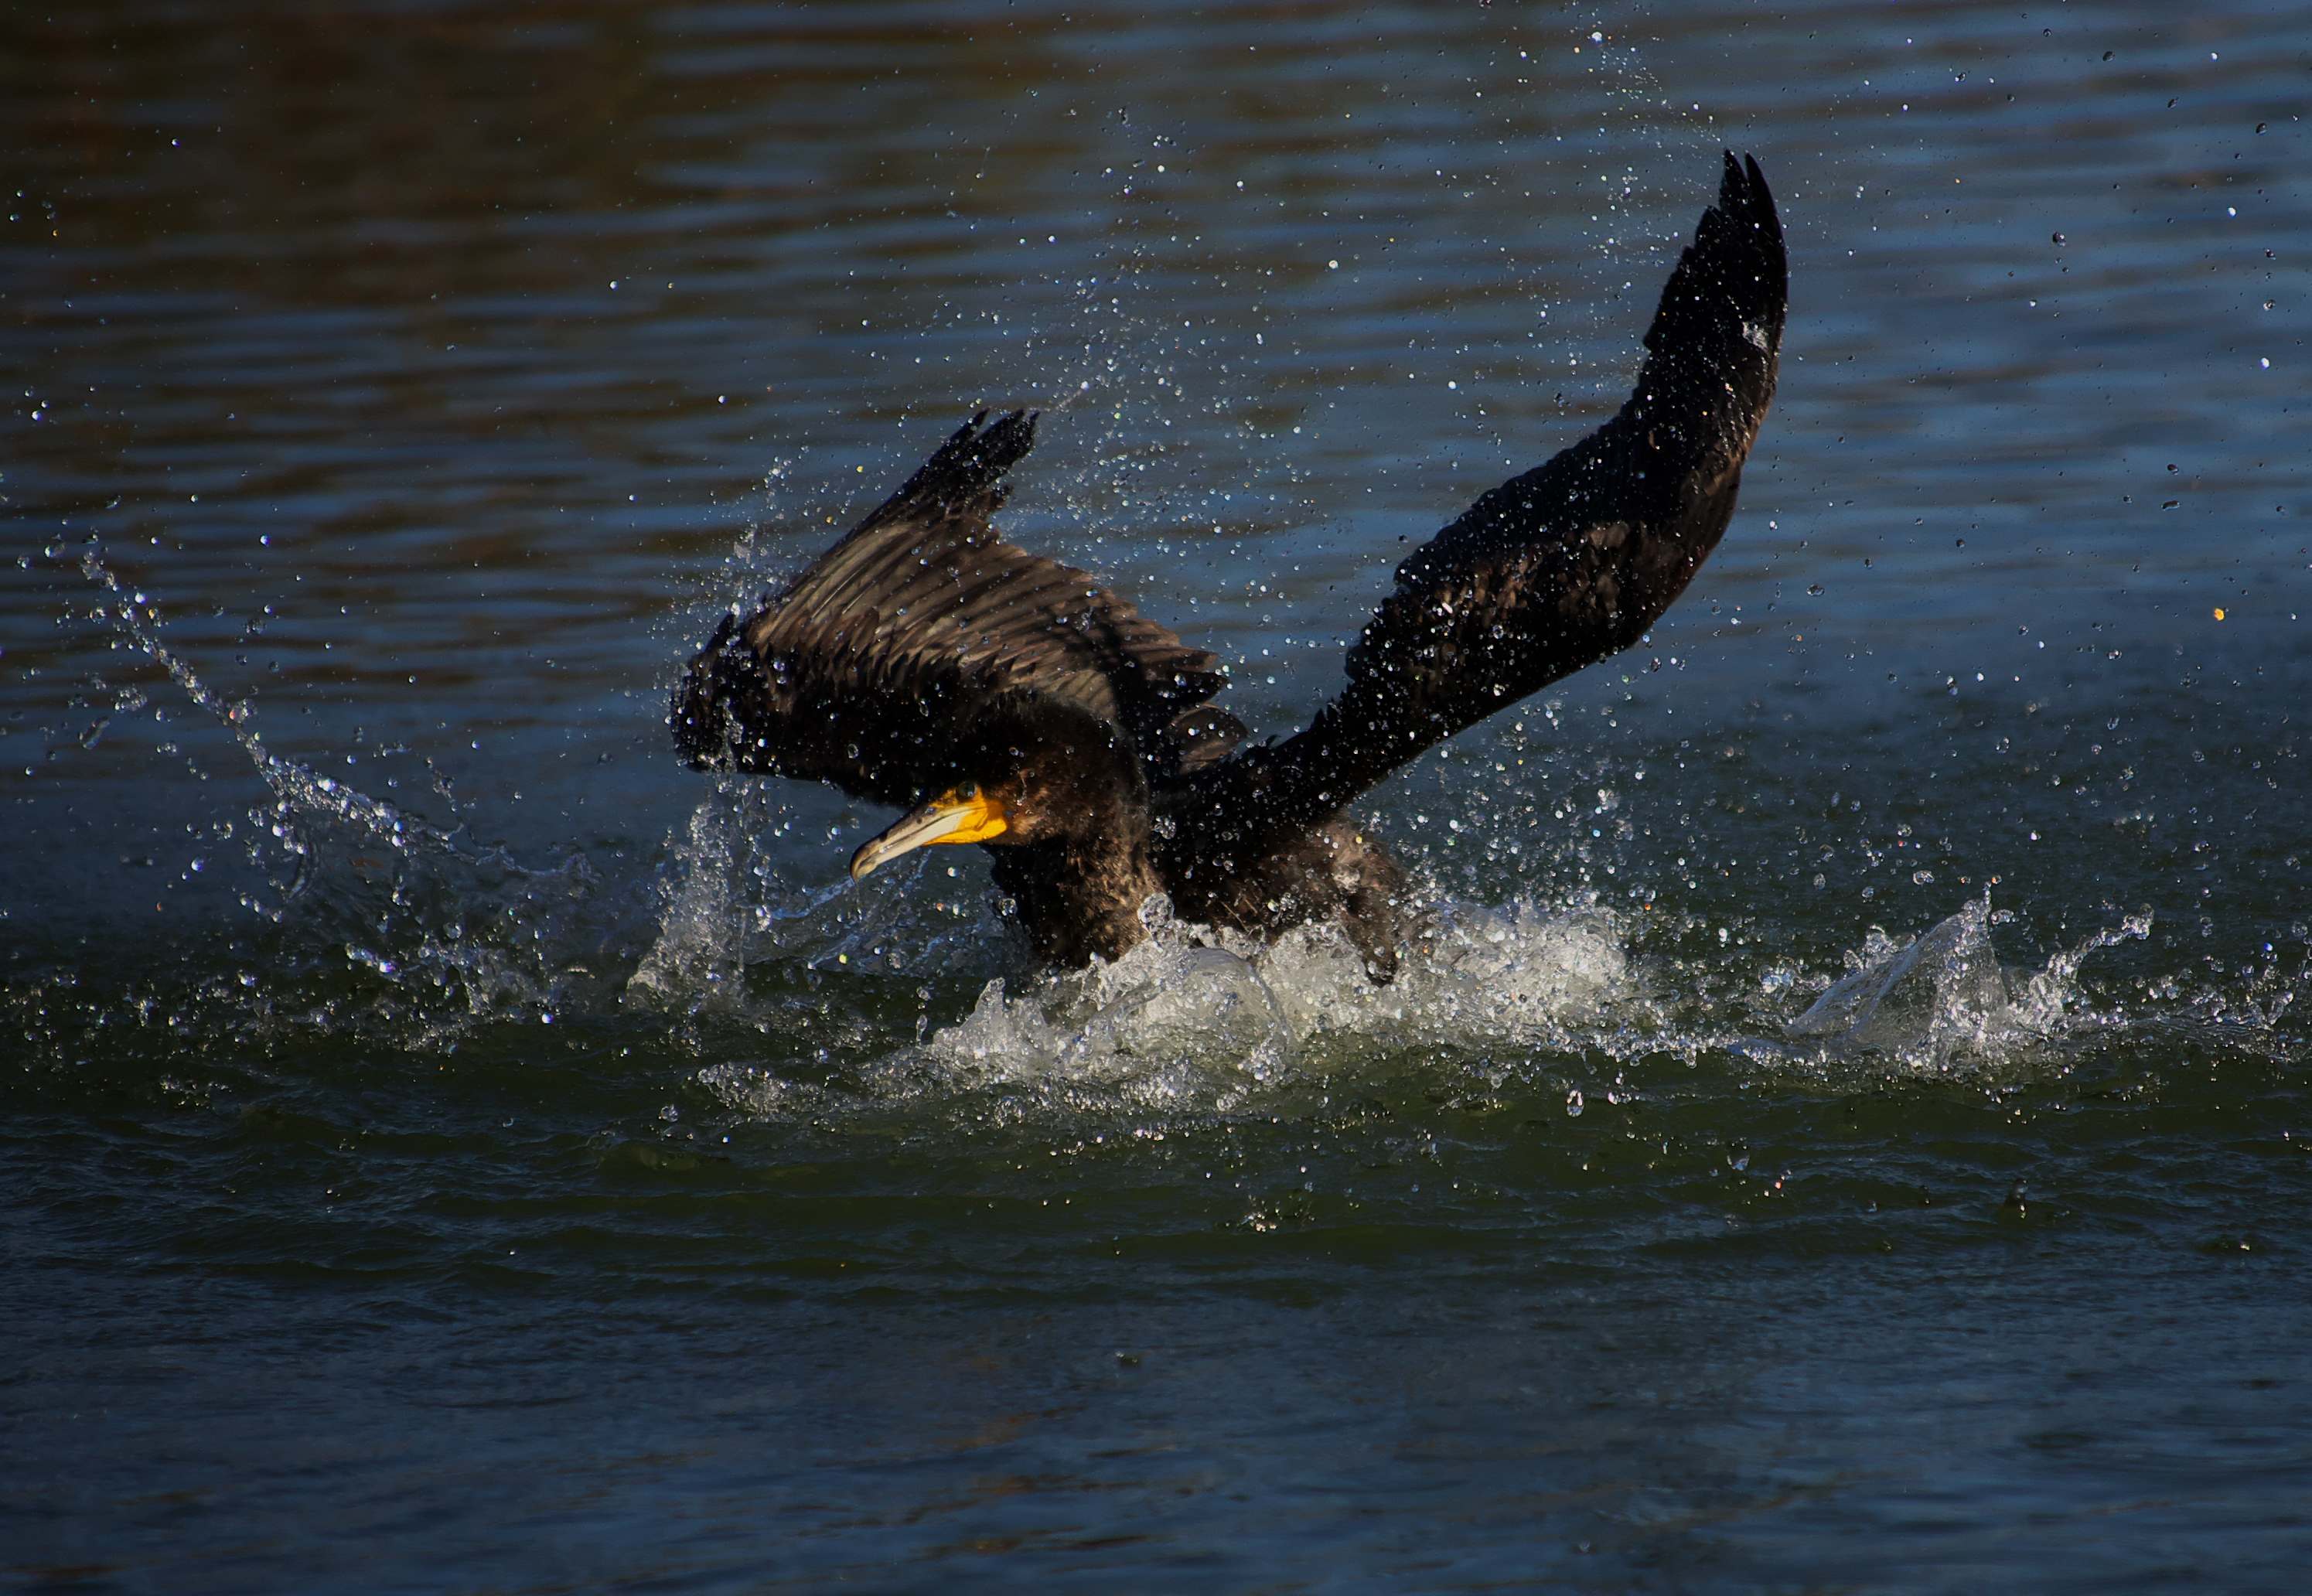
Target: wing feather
{"type": "Point", "coordinates": [1568, 562]}
{"type": "Point", "coordinates": [922, 638]}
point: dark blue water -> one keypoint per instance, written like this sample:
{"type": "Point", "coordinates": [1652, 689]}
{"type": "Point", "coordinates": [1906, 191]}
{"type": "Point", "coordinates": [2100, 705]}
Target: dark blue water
{"type": "Point", "coordinates": [1850, 1128]}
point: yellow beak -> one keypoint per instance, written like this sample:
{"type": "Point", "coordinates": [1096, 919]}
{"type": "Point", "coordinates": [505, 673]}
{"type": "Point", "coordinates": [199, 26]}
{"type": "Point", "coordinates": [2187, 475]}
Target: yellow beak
{"type": "Point", "coordinates": [961, 814]}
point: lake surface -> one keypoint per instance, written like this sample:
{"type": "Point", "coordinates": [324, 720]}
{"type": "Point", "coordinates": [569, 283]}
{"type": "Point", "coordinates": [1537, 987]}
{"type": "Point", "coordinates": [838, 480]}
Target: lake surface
{"type": "Point", "coordinates": [1849, 1128]}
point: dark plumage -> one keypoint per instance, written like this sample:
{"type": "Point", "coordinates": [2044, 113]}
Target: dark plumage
{"type": "Point", "coordinates": [923, 661]}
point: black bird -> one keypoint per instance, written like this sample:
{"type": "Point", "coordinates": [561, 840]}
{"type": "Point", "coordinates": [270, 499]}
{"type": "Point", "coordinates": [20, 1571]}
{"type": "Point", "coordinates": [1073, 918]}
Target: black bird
{"type": "Point", "coordinates": [1005, 699]}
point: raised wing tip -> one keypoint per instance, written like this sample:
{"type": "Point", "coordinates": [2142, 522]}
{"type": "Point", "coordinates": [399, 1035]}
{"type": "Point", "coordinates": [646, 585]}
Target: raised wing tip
{"type": "Point", "coordinates": [984, 450]}
{"type": "Point", "coordinates": [1743, 194]}
{"type": "Point", "coordinates": [1736, 264]}
{"type": "Point", "coordinates": [1010, 433]}
{"type": "Point", "coordinates": [965, 475]}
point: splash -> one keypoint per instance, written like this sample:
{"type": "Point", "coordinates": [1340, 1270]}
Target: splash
{"type": "Point", "coordinates": [1190, 997]}
{"type": "Point", "coordinates": [1171, 1025]}
{"type": "Point", "coordinates": [297, 789]}
{"type": "Point", "coordinates": [695, 954]}
{"type": "Point", "coordinates": [1942, 1000]}
{"type": "Point", "coordinates": [1195, 1020]}
{"type": "Point", "coordinates": [441, 930]}
{"type": "Point", "coordinates": [446, 934]}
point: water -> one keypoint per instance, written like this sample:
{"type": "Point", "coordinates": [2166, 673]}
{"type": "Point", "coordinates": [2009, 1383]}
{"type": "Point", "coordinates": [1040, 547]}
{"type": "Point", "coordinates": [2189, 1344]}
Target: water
{"type": "Point", "coordinates": [1847, 1128]}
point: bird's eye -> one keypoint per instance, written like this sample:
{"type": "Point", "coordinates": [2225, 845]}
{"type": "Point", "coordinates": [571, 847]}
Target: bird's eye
{"type": "Point", "coordinates": [968, 791]}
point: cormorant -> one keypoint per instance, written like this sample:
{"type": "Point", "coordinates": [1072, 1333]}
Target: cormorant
{"type": "Point", "coordinates": [1005, 699]}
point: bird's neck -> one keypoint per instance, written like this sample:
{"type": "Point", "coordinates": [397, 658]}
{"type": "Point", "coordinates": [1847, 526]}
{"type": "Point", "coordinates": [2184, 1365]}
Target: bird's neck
{"type": "Point", "coordinates": [1080, 895]}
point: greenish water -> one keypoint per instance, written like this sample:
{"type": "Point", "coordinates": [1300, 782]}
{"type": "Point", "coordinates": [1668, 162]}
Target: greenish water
{"type": "Point", "coordinates": [1848, 1130]}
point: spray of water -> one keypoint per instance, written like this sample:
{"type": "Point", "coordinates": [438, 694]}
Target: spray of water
{"type": "Point", "coordinates": [453, 933]}
{"type": "Point", "coordinates": [1190, 1020]}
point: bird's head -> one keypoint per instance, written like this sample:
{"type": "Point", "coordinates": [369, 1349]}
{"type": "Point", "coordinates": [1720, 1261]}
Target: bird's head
{"type": "Point", "coordinates": [1075, 795]}
{"type": "Point", "coordinates": [968, 811]}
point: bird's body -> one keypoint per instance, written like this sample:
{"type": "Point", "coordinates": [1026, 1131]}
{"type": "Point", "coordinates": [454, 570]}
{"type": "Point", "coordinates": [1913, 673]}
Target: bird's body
{"type": "Point", "coordinates": [1009, 700]}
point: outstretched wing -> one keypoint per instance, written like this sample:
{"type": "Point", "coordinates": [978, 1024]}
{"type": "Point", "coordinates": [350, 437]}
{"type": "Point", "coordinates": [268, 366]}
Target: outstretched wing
{"type": "Point", "coordinates": [1572, 561]}
{"type": "Point", "coordinates": [921, 639]}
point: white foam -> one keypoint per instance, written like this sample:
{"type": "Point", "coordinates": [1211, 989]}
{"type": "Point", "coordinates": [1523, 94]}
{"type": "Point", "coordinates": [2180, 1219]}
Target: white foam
{"type": "Point", "coordinates": [1194, 1015]}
